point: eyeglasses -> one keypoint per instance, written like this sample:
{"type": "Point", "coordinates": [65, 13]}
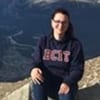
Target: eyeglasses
{"type": "Point", "coordinates": [58, 21]}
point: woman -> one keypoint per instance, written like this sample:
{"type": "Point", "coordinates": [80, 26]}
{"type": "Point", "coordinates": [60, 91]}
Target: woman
{"type": "Point", "coordinates": [58, 61]}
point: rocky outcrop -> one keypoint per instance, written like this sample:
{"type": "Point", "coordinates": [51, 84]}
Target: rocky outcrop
{"type": "Point", "coordinates": [89, 86]}
{"type": "Point", "coordinates": [19, 94]}
{"type": "Point", "coordinates": [91, 74]}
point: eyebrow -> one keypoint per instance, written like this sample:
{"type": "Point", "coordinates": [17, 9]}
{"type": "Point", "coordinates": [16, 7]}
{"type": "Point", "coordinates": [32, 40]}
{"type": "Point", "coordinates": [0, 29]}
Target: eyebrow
{"type": "Point", "coordinates": [59, 21]}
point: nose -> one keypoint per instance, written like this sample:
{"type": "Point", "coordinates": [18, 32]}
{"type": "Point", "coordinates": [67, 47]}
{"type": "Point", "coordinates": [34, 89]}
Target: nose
{"type": "Point", "coordinates": [61, 25]}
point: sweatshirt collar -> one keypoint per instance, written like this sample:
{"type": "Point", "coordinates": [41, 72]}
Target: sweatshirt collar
{"type": "Point", "coordinates": [64, 39]}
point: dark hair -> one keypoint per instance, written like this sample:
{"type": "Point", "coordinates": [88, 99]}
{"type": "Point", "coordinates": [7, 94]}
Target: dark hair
{"type": "Point", "coordinates": [60, 10]}
{"type": "Point", "coordinates": [70, 31]}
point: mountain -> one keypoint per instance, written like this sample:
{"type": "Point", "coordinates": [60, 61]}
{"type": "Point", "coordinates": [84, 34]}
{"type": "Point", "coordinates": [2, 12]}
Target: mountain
{"type": "Point", "coordinates": [23, 21]}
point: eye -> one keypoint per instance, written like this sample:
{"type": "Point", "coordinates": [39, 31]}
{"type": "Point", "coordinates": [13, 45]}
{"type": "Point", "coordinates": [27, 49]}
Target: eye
{"type": "Point", "coordinates": [58, 21]}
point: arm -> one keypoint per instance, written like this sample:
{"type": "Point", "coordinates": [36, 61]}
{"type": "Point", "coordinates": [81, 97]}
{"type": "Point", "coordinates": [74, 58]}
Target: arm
{"type": "Point", "coordinates": [37, 55]}
{"type": "Point", "coordinates": [36, 72]}
{"type": "Point", "coordinates": [76, 64]}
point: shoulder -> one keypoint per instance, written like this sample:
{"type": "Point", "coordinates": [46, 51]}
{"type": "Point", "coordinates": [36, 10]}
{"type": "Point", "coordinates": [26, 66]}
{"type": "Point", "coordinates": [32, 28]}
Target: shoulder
{"type": "Point", "coordinates": [43, 37]}
{"type": "Point", "coordinates": [43, 40]}
{"type": "Point", "coordinates": [76, 43]}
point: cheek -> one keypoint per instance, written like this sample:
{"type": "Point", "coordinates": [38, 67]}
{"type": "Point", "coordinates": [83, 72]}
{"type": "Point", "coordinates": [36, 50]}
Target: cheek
{"type": "Point", "coordinates": [66, 26]}
{"type": "Point", "coordinates": [54, 26]}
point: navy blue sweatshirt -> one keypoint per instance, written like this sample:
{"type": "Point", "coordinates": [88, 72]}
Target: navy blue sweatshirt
{"type": "Point", "coordinates": [62, 58]}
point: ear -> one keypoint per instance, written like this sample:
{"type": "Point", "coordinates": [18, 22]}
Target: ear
{"type": "Point", "coordinates": [52, 23]}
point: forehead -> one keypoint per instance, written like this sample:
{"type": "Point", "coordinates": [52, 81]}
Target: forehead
{"type": "Point", "coordinates": [60, 16]}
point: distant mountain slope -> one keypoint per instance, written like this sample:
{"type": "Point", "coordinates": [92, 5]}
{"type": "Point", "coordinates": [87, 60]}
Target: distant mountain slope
{"type": "Point", "coordinates": [23, 21]}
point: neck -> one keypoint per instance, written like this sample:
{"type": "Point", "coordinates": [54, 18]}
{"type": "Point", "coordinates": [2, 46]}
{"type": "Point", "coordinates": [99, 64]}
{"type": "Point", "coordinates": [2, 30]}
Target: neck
{"type": "Point", "coordinates": [58, 37]}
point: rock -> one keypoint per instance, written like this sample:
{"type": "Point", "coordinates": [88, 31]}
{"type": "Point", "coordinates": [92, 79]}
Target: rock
{"type": "Point", "coordinates": [19, 94]}
{"type": "Point", "coordinates": [89, 86]}
{"type": "Point", "coordinates": [91, 74]}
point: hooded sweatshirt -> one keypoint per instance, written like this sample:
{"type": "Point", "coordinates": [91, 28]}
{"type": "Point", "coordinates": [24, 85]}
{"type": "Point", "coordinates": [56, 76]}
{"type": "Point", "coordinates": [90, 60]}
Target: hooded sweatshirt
{"type": "Point", "coordinates": [63, 58]}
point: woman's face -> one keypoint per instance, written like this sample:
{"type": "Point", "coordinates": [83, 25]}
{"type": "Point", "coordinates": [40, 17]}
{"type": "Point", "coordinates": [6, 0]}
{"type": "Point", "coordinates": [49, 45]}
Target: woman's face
{"type": "Point", "coordinates": [60, 23]}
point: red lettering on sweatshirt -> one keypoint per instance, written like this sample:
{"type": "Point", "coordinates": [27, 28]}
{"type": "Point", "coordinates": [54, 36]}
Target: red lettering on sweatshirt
{"type": "Point", "coordinates": [56, 55]}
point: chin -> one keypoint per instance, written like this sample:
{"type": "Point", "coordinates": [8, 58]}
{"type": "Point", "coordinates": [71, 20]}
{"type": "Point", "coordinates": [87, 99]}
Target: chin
{"type": "Point", "coordinates": [60, 33]}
